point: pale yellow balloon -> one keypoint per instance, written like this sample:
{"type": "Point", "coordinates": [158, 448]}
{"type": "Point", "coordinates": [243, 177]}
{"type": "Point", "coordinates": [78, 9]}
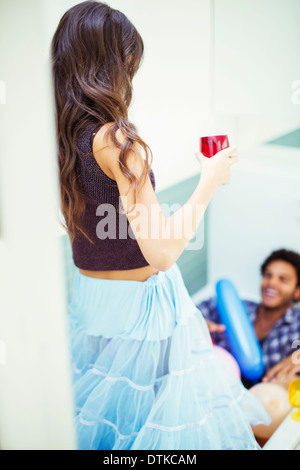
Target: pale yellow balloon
{"type": "Point", "coordinates": [275, 400]}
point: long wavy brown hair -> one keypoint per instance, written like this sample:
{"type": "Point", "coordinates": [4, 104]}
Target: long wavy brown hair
{"type": "Point", "coordinates": [96, 51]}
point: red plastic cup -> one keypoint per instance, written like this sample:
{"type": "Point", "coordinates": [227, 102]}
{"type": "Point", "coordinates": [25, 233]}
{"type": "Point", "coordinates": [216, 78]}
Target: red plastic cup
{"type": "Point", "coordinates": [211, 145]}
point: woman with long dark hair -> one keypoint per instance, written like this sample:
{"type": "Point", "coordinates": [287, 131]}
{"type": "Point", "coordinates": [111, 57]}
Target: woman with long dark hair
{"type": "Point", "coordinates": [145, 375]}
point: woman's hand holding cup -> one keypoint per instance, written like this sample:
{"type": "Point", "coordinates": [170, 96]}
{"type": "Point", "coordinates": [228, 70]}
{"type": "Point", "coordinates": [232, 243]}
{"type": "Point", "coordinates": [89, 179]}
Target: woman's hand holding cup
{"type": "Point", "coordinates": [218, 167]}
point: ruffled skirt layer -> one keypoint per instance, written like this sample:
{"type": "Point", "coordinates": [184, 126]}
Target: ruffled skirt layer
{"type": "Point", "coordinates": [145, 373]}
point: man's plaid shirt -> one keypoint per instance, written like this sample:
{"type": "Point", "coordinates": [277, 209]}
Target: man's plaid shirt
{"type": "Point", "coordinates": [283, 339]}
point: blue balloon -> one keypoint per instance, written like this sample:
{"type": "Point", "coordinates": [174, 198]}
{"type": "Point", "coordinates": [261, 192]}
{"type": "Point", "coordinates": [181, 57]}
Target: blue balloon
{"type": "Point", "coordinates": [240, 333]}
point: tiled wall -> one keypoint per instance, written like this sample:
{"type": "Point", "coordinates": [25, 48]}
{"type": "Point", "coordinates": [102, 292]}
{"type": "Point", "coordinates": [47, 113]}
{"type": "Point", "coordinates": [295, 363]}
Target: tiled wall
{"type": "Point", "coordinates": [192, 263]}
{"type": "Point", "coordinates": [288, 140]}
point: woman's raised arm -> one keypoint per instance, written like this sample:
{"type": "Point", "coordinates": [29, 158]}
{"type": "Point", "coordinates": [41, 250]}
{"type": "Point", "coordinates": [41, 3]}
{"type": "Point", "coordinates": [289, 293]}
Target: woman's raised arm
{"type": "Point", "coordinates": [162, 239]}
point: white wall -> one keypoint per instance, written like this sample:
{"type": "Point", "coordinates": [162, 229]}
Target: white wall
{"type": "Point", "coordinates": [36, 411]}
{"type": "Point", "coordinates": [256, 49]}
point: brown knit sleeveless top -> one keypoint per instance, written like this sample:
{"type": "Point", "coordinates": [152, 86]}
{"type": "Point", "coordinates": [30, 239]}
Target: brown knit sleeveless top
{"type": "Point", "coordinates": [115, 247]}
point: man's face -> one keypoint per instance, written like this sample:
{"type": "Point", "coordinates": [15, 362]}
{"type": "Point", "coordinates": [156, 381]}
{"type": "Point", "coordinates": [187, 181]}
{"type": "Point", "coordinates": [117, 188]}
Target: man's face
{"type": "Point", "coordinates": [279, 285]}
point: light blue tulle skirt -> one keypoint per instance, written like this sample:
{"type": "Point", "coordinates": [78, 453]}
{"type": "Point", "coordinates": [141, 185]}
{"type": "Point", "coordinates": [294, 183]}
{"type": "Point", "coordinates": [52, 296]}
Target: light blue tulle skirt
{"type": "Point", "coordinates": [145, 374]}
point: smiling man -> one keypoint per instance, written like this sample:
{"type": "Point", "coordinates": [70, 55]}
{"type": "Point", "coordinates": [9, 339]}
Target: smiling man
{"type": "Point", "coordinates": [275, 319]}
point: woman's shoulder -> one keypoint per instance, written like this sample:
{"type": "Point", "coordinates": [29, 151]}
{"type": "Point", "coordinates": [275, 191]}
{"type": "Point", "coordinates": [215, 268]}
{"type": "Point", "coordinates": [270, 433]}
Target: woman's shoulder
{"type": "Point", "coordinates": [103, 137]}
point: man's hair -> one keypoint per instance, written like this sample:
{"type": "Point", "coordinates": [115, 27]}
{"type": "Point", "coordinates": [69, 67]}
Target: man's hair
{"type": "Point", "coordinates": [288, 256]}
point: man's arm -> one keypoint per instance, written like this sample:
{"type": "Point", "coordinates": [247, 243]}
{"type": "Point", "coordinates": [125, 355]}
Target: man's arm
{"type": "Point", "coordinates": [209, 312]}
{"type": "Point", "coordinates": [284, 371]}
